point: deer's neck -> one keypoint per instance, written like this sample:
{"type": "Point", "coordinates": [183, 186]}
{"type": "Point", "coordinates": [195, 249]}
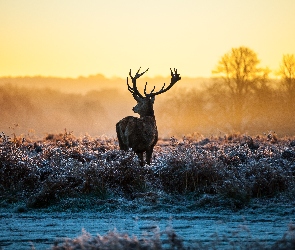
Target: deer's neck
{"type": "Point", "coordinates": [149, 116]}
{"type": "Point", "coordinates": [150, 120]}
{"type": "Point", "coordinates": [148, 113]}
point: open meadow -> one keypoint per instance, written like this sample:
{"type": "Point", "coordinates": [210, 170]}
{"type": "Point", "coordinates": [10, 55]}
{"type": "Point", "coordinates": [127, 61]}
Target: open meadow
{"type": "Point", "coordinates": [193, 180]}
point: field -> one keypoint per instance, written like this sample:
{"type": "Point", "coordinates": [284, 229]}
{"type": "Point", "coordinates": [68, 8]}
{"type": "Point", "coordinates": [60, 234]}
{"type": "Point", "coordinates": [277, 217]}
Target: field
{"type": "Point", "coordinates": [63, 173]}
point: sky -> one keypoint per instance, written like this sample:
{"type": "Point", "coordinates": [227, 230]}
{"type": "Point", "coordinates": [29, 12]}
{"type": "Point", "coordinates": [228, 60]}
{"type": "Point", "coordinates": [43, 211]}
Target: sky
{"type": "Point", "coordinates": [72, 38]}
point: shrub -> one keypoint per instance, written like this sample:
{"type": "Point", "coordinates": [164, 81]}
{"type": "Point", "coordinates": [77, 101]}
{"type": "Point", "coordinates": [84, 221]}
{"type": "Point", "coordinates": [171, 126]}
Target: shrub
{"type": "Point", "coordinates": [45, 171]}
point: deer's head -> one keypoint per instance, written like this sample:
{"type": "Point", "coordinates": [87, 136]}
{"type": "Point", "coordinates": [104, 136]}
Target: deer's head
{"type": "Point", "coordinates": [145, 103]}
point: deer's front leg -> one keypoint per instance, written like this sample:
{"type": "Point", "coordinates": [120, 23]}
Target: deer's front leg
{"type": "Point", "coordinates": [149, 153]}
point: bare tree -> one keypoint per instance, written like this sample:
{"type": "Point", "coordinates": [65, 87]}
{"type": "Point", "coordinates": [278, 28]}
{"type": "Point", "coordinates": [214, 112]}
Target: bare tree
{"type": "Point", "coordinates": [287, 73]}
{"type": "Point", "coordinates": [240, 77]}
{"type": "Point", "coordinates": [141, 134]}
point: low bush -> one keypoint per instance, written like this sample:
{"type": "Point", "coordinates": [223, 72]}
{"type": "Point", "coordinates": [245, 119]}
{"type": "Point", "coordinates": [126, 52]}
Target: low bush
{"type": "Point", "coordinates": [61, 166]}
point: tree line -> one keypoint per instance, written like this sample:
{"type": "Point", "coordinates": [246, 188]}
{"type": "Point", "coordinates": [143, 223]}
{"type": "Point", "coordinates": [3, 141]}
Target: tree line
{"type": "Point", "coordinates": [240, 97]}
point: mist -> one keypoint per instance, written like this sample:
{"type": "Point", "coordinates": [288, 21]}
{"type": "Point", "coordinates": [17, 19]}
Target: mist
{"type": "Point", "coordinates": [37, 106]}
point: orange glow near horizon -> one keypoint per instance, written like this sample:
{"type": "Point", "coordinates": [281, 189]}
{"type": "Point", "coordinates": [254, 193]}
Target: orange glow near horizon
{"type": "Point", "coordinates": [71, 38]}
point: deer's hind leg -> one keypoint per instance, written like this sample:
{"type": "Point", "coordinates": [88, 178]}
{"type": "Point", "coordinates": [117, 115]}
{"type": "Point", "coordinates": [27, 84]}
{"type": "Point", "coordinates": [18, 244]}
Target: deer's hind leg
{"type": "Point", "coordinates": [120, 134]}
{"type": "Point", "coordinates": [140, 156]}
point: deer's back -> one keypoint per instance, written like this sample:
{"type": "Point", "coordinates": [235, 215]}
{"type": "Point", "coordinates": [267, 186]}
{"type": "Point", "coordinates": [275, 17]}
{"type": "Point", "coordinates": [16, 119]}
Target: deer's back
{"type": "Point", "coordinates": [138, 133]}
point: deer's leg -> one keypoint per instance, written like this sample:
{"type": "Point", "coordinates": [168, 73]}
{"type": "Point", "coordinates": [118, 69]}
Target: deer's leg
{"type": "Point", "coordinates": [119, 135]}
{"type": "Point", "coordinates": [140, 156]}
{"type": "Point", "coordinates": [149, 153]}
{"type": "Point", "coordinates": [121, 145]}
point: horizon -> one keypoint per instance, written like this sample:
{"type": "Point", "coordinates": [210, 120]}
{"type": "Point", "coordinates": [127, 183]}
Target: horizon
{"type": "Point", "coordinates": [113, 78]}
{"type": "Point", "coordinates": [102, 76]}
{"type": "Point", "coordinates": [98, 75]}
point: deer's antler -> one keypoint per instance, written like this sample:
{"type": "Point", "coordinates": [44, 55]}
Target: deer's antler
{"type": "Point", "coordinates": [134, 89]}
{"type": "Point", "coordinates": [175, 77]}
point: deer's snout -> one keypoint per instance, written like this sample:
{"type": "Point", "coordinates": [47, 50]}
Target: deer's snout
{"type": "Point", "coordinates": [134, 109]}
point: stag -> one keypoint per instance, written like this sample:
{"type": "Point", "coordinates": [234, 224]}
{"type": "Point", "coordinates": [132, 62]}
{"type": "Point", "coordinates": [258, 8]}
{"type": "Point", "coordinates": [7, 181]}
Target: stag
{"type": "Point", "coordinates": [141, 134]}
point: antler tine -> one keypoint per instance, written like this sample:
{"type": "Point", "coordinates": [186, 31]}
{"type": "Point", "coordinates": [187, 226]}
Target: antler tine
{"type": "Point", "coordinates": [130, 74]}
{"type": "Point", "coordinates": [175, 77]}
{"type": "Point", "coordinates": [153, 89]}
{"type": "Point", "coordinates": [129, 87]}
{"type": "Point", "coordinates": [150, 92]}
{"type": "Point", "coordinates": [163, 87]}
{"type": "Point", "coordinates": [175, 71]}
{"type": "Point", "coordinates": [144, 91]}
{"type": "Point", "coordinates": [134, 89]}
{"type": "Point", "coordinates": [137, 75]}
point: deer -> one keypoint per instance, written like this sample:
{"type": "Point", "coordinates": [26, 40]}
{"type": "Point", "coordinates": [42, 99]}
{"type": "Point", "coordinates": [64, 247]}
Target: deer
{"type": "Point", "coordinates": [141, 134]}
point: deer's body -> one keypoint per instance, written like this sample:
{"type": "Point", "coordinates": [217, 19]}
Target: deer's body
{"type": "Point", "coordinates": [141, 134]}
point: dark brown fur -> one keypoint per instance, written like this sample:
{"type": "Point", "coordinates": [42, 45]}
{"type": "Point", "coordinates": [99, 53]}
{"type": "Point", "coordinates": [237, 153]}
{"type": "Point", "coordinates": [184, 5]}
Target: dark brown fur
{"type": "Point", "coordinates": [140, 134]}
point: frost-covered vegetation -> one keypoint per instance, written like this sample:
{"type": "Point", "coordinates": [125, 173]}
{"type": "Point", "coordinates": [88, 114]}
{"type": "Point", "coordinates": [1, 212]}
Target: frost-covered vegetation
{"type": "Point", "coordinates": [226, 172]}
{"type": "Point", "coordinates": [115, 240]}
{"type": "Point", "coordinates": [168, 239]}
{"type": "Point", "coordinates": [62, 172]}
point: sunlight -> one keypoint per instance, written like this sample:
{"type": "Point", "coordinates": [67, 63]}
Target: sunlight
{"type": "Point", "coordinates": [76, 38]}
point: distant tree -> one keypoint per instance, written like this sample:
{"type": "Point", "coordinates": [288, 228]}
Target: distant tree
{"type": "Point", "coordinates": [287, 74]}
{"type": "Point", "coordinates": [240, 77]}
